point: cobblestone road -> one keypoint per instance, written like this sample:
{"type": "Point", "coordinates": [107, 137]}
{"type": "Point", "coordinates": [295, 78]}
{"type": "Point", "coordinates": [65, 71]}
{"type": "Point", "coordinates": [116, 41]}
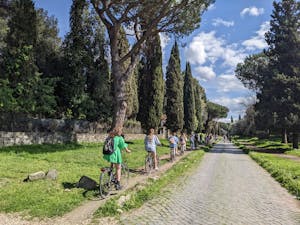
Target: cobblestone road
{"type": "Point", "coordinates": [227, 188]}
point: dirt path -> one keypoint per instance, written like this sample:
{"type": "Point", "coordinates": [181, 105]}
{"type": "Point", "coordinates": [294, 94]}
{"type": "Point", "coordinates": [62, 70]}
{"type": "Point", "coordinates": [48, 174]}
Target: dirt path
{"type": "Point", "coordinates": [83, 214]}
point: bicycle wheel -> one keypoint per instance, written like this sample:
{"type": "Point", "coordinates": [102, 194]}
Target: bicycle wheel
{"type": "Point", "coordinates": [148, 164]}
{"type": "Point", "coordinates": [105, 184]}
{"type": "Point", "coordinates": [172, 154]}
{"type": "Point", "coordinates": [124, 175]}
{"type": "Point", "coordinates": [157, 160]}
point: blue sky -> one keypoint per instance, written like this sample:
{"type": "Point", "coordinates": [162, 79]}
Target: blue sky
{"type": "Point", "coordinates": [230, 30]}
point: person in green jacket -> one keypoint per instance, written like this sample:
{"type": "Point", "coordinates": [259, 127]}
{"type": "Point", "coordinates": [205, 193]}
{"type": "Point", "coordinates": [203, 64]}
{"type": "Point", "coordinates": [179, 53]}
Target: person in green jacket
{"type": "Point", "coordinates": [116, 157]}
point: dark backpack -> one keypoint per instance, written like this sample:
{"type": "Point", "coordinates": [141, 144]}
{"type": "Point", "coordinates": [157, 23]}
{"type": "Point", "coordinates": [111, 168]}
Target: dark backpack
{"type": "Point", "coordinates": [108, 147]}
{"type": "Point", "coordinates": [87, 183]}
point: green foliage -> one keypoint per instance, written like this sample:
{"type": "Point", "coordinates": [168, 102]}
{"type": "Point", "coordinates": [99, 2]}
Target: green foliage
{"type": "Point", "coordinates": [85, 87]}
{"type": "Point", "coordinates": [189, 101]}
{"type": "Point", "coordinates": [174, 93]}
{"type": "Point", "coordinates": [151, 85]}
{"type": "Point", "coordinates": [22, 25]}
{"type": "Point", "coordinates": [47, 49]}
{"type": "Point", "coordinates": [275, 74]}
{"type": "Point", "coordinates": [216, 111]}
{"type": "Point", "coordinates": [23, 87]}
{"type": "Point", "coordinates": [247, 125]}
{"type": "Point", "coordinates": [3, 33]}
{"type": "Point", "coordinates": [200, 103]}
{"type": "Point", "coordinates": [7, 101]}
{"type": "Point", "coordinates": [29, 93]}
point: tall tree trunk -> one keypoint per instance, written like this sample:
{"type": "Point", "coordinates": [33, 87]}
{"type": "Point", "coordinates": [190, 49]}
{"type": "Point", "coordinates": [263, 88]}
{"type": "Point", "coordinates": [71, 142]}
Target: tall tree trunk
{"type": "Point", "coordinates": [120, 104]}
{"type": "Point", "coordinates": [284, 136]}
{"type": "Point", "coordinates": [295, 140]}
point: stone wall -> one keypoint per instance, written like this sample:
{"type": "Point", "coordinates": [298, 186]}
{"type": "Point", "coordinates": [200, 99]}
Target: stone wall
{"type": "Point", "coordinates": [19, 130]}
{"type": "Point", "coordinates": [26, 138]}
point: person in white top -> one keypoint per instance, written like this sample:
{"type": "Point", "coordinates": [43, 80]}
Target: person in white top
{"type": "Point", "coordinates": [151, 141]}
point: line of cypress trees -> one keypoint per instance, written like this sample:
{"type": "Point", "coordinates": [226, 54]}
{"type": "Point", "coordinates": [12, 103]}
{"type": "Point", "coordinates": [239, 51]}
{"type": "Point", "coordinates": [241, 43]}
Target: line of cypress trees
{"type": "Point", "coordinates": [174, 93]}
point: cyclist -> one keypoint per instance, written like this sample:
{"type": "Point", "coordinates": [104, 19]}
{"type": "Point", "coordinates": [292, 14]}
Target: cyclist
{"type": "Point", "coordinates": [116, 157]}
{"type": "Point", "coordinates": [173, 139]}
{"type": "Point", "coordinates": [151, 141]}
{"type": "Point", "coordinates": [183, 140]}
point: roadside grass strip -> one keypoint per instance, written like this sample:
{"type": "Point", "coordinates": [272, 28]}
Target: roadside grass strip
{"type": "Point", "coordinates": [49, 198]}
{"type": "Point", "coordinates": [295, 152]}
{"type": "Point", "coordinates": [273, 143]}
{"type": "Point", "coordinates": [285, 171]}
{"type": "Point", "coordinates": [152, 188]}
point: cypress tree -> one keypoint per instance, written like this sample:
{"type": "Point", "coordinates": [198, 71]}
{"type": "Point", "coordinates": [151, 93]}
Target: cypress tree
{"type": "Point", "coordinates": [73, 82]}
{"type": "Point", "coordinates": [198, 105]}
{"type": "Point", "coordinates": [151, 85]}
{"type": "Point", "coordinates": [174, 93]}
{"type": "Point", "coordinates": [22, 25]}
{"type": "Point", "coordinates": [189, 100]}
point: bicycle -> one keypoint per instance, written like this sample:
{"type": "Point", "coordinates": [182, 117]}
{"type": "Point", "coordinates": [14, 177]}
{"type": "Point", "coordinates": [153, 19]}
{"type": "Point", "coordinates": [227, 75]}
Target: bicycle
{"type": "Point", "coordinates": [172, 154]}
{"type": "Point", "coordinates": [108, 179]}
{"type": "Point", "coordinates": [182, 149]}
{"type": "Point", "coordinates": [149, 162]}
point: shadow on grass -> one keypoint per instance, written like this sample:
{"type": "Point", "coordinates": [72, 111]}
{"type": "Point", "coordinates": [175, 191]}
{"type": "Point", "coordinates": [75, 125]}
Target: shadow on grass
{"type": "Point", "coordinates": [85, 193]}
{"type": "Point", "coordinates": [68, 185]}
{"type": "Point", "coordinates": [226, 150]}
{"type": "Point", "coordinates": [44, 148]}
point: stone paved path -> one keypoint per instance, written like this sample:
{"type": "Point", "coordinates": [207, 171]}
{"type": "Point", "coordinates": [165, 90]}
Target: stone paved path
{"type": "Point", "coordinates": [227, 188]}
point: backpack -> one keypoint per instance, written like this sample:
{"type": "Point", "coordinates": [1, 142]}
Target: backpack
{"type": "Point", "coordinates": [108, 147]}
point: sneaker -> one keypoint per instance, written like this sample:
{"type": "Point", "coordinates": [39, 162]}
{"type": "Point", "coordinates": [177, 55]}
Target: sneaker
{"type": "Point", "coordinates": [156, 168]}
{"type": "Point", "coordinates": [118, 186]}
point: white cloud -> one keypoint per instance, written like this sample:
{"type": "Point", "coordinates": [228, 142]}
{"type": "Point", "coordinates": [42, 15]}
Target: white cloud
{"type": "Point", "coordinates": [218, 21]}
{"type": "Point", "coordinates": [211, 7]}
{"type": "Point", "coordinates": [252, 11]}
{"type": "Point", "coordinates": [204, 73]}
{"type": "Point", "coordinates": [258, 41]}
{"type": "Point", "coordinates": [207, 48]}
{"type": "Point", "coordinates": [229, 83]}
{"type": "Point", "coordinates": [195, 53]}
{"type": "Point", "coordinates": [236, 105]}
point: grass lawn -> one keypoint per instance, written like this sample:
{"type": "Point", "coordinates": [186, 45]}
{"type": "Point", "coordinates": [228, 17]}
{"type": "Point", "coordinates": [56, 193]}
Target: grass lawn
{"type": "Point", "coordinates": [285, 171]}
{"type": "Point", "coordinates": [46, 198]}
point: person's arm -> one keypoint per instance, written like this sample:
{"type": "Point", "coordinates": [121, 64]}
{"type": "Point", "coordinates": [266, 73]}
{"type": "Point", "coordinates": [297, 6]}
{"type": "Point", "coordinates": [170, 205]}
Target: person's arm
{"type": "Point", "coordinates": [157, 142]}
{"type": "Point", "coordinates": [123, 145]}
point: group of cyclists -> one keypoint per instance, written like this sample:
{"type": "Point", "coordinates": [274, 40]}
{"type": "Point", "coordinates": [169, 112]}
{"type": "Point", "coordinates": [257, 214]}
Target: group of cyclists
{"type": "Point", "coordinates": [151, 141]}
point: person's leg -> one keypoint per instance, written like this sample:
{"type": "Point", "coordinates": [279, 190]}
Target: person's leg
{"type": "Point", "coordinates": [118, 171]}
{"type": "Point", "coordinates": [153, 155]}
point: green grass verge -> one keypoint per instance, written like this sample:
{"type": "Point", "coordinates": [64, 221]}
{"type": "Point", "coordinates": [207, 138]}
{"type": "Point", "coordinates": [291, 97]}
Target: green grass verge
{"type": "Point", "coordinates": [285, 171]}
{"type": "Point", "coordinates": [46, 198]}
{"type": "Point", "coordinates": [293, 152]}
{"type": "Point", "coordinates": [153, 187]}
{"type": "Point", "coordinates": [273, 143]}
